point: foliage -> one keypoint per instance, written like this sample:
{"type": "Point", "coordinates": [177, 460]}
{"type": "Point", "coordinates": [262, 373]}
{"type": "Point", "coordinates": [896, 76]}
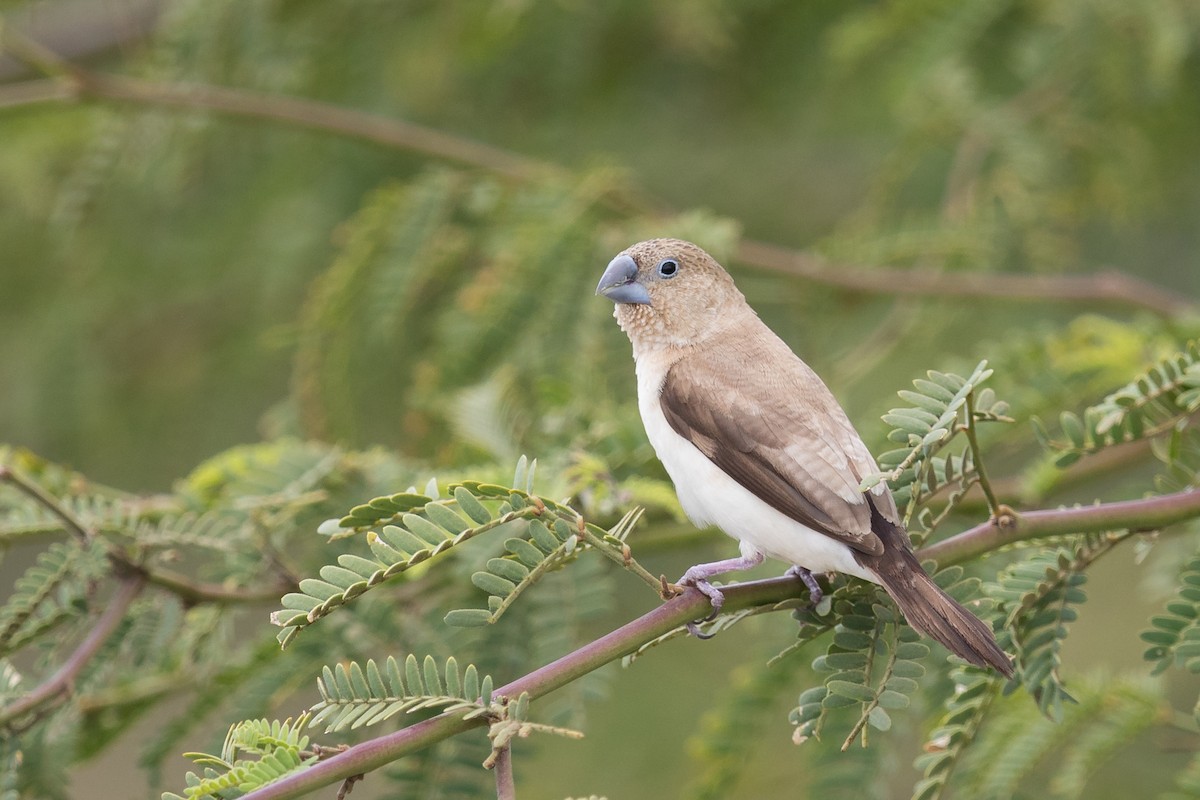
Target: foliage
{"type": "Point", "coordinates": [1039, 597]}
{"type": "Point", "coordinates": [178, 281]}
{"type": "Point", "coordinates": [353, 696]}
{"type": "Point", "coordinates": [274, 749]}
{"type": "Point", "coordinates": [943, 407]}
{"type": "Point", "coordinates": [1151, 404]}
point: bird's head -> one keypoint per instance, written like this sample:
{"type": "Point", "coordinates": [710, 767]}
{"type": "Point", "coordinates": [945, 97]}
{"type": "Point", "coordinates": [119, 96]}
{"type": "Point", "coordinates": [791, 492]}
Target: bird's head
{"type": "Point", "coordinates": [669, 292]}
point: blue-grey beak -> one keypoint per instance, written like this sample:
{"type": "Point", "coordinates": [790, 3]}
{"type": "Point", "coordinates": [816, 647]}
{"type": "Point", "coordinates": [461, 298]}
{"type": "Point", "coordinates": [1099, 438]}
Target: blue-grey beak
{"type": "Point", "coordinates": [619, 282]}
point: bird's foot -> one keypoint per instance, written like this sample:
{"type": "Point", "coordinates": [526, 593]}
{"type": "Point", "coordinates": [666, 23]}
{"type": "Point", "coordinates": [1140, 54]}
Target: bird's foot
{"type": "Point", "coordinates": [815, 595]}
{"type": "Point", "coordinates": [698, 576]}
{"type": "Point", "coordinates": [715, 598]}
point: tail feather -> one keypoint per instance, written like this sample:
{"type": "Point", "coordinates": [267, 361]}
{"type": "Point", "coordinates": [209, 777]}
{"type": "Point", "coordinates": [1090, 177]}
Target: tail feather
{"type": "Point", "coordinates": [926, 607]}
{"type": "Point", "coordinates": [937, 615]}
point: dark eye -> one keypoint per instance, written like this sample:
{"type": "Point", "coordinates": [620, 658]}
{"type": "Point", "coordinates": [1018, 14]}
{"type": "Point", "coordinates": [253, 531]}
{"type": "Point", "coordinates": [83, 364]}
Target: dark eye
{"type": "Point", "coordinates": [668, 267]}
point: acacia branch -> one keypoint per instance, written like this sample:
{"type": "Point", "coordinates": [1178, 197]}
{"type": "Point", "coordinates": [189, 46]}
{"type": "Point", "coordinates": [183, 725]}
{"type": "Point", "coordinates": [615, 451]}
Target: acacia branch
{"type": "Point", "coordinates": [76, 84]}
{"type": "Point", "coordinates": [505, 787]}
{"type": "Point", "coordinates": [1149, 513]}
{"type": "Point", "coordinates": [1109, 286]}
{"type": "Point", "coordinates": [190, 592]}
{"type": "Point", "coordinates": [62, 683]}
{"type": "Point", "coordinates": [1010, 527]}
{"type": "Point", "coordinates": [72, 523]}
{"type": "Point", "coordinates": [383, 750]}
{"type": "Point", "coordinates": [35, 92]}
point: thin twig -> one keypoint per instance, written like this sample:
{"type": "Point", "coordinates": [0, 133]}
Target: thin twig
{"type": "Point", "coordinates": [1109, 286]}
{"type": "Point", "coordinates": [37, 55]}
{"type": "Point", "coordinates": [977, 457]}
{"type": "Point", "coordinates": [35, 92]}
{"type": "Point", "coordinates": [73, 524]}
{"type": "Point", "coordinates": [196, 592]}
{"type": "Point", "coordinates": [61, 684]}
{"type": "Point", "coordinates": [621, 559]}
{"type": "Point", "coordinates": [506, 787]}
{"type": "Point", "coordinates": [189, 591]}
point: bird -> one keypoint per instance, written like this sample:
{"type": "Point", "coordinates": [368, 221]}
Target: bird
{"type": "Point", "coordinates": [757, 445]}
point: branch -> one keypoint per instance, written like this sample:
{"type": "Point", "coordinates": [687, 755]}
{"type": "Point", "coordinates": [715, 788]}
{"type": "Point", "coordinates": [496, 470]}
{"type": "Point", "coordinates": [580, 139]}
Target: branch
{"type": "Point", "coordinates": [385, 749]}
{"type": "Point", "coordinates": [50, 503]}
{"type": "Point", "coordinates": [61, 684]}
{"type": "Point", "coordinates": [189, 591]}
{"type": "Point", "coordinates": [29, 93]}
{"type": "Point", "coordinates": [1152, 512]}
{"type": "Point", "coordinates": [1110, 286]}
{"type": "Point", "coordinates": [505, 787]}
{"type": "Point", "coordinates": [1010, 527]}
{"type": "Point", "coordinates": [195, 592]}
{"type": "Point", "coordinates": [80, 28]}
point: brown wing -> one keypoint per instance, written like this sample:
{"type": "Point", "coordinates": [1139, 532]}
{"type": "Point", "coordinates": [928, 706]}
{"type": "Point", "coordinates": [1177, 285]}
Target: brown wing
{"type": "Point", "coordinates": [766, 419]}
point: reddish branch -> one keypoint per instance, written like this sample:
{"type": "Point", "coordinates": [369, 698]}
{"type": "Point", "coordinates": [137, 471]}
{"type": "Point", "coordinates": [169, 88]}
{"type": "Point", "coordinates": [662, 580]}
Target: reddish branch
{"type": "Point", "coordinates": [1151, 513]}
{"type": "Point", "coordinates": [1010, 527]}
{"type": "Point", "coordinates": [62, 683]}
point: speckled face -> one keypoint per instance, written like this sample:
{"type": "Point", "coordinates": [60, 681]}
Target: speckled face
{"type": "Point", "coordinates": [668, 292]}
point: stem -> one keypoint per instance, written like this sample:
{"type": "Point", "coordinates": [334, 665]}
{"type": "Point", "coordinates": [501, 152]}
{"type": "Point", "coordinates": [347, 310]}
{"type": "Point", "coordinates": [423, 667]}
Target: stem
{"type": "Point", "coordinates": [608, 552]}
{"type": "Point", "coordinates": [860, 727]}
{"type": "Point", "coordinates": [1010, 527]}
{"type": "Point", "coordinates": [1109, 286]}
{"type": "Point", "coordinates": [977, 457]}
{"type": "Point", "coordinates": [35, 92]}
{"type": "Point", "coordinates": [196, 592]}
{"type": "Point", "coordinates": [506, 788]}
{"type": "Point", "coordinates": [49, 502]}
{"type": "Point", "coordinates": [61, 684]}
{"type": "Point", "coordinates": [189, 591]}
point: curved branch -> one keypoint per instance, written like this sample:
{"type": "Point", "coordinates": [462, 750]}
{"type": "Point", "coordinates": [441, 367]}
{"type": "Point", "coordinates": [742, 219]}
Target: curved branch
{"type": "Point", "coordinates": [375, 128]}
{"type": "Point", "coordinates": [189, 591]}
{"type": "Point", "coordinates": [1110, 286]}
{"type": "Point", "coordinates": [1149, 513]}
{"type": "Point", "coordinates": [29, 93]}
{"type": "Point", "coordinates": [192, 592]}
{"type": "Point", "coordinates": [39, 495]}
{"type": "Point", "coordinates": [61, 683]}
{"type": "Point", "coordinates": [1010, 527]}
{"type": "Point", "coordinates": [385, 749]}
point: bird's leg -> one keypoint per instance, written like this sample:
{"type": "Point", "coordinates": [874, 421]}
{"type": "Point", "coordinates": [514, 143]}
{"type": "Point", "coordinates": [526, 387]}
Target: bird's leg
{"type": "Point", "coordinates": [698, 576]}
{"type": "Point", "coordinates": [814, 589]}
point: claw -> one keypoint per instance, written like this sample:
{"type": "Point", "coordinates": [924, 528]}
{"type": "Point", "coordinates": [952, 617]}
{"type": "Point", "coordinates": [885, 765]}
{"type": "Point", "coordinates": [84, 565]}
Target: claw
{"type": "Point", "coordinates": [815, 595]}
{"type": "Point", "coordinates": [698, 576]}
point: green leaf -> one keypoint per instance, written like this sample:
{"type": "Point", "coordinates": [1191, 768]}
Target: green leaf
{"type": "Point", "coordinates": [853, 691]}
{"type": "Point", "coordinates": [493, 584]}
{"type": "Point", "coordinates": [879, 719]}
{"type": "Point", "coordinates": [471, 506]}
{"type": "Point", "coordinates": [1072, 428]}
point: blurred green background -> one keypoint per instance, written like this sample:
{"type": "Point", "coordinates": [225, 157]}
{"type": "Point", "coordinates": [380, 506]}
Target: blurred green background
{"type": "Point", "coordinates": [174, 282]}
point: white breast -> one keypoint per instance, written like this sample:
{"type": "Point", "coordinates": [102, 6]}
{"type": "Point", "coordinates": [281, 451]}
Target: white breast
{"type": "Point", "coordinates": [710, 497]}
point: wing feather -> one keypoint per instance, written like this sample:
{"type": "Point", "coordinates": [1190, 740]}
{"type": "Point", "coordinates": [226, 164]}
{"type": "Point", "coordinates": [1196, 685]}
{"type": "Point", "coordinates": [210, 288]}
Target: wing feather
{"type": "Point", "coordinates": [766, 419]}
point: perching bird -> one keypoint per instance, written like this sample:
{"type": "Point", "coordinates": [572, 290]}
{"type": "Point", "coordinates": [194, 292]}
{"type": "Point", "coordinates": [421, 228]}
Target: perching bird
{"type": "Point", "coordinates": [756, 444]}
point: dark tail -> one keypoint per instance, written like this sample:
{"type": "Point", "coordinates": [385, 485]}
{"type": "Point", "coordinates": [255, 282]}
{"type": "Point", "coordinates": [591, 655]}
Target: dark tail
{"type": "Point", "coordinates": [926, 607]}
